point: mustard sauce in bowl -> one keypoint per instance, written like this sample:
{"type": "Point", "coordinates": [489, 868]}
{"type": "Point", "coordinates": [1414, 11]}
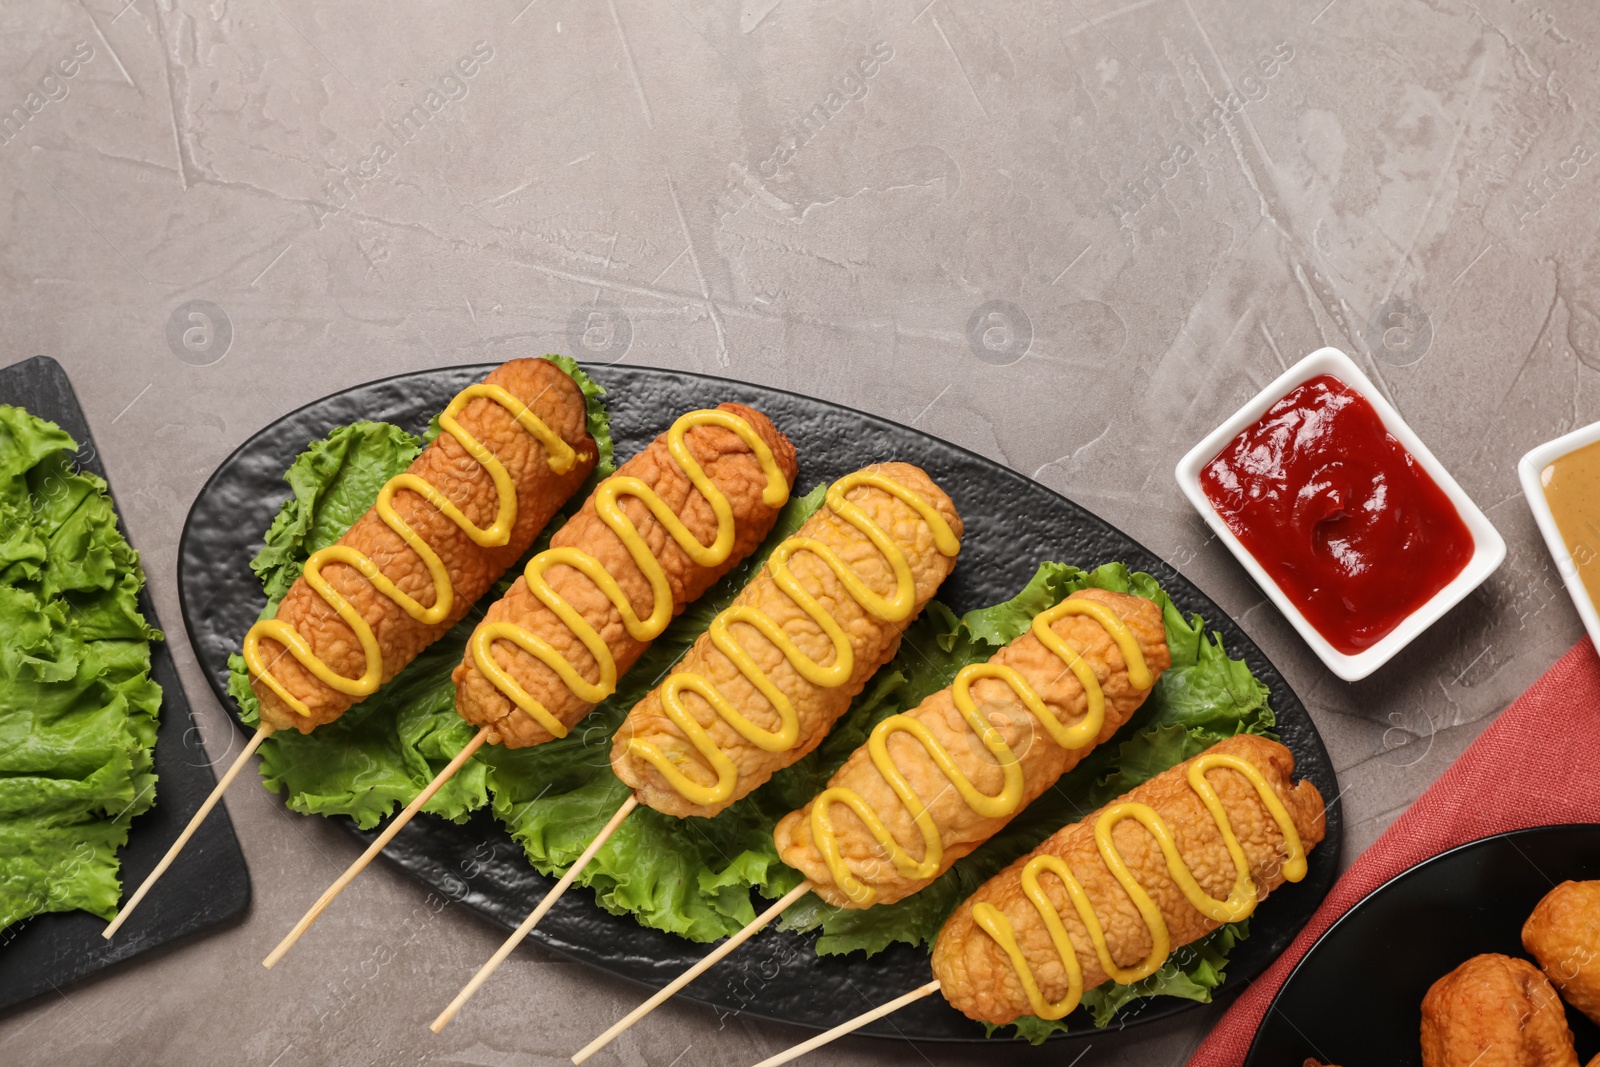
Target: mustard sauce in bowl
{"type": "Point", "coordinates": [1571, 486]}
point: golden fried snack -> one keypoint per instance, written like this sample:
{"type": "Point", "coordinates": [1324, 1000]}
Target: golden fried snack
{"type": "Point", "coordinates": [1495, 1011]}
{"type": "Point", "coordinates": [1563, 934]}
{"type": "Point", "coordinates": [1021, 944]}
{"type": "Point", "coordinates": [527, 418]}
{"type": "Point", "coordinates": [527, 617]}
{"type": "Point", "coordinates": [854, 864]}
{"type": "Point", "coordinates": [682, 755]}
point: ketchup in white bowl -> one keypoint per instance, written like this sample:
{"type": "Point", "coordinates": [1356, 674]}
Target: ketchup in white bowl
{"type": "Point", "coordinates": [1338, 513]}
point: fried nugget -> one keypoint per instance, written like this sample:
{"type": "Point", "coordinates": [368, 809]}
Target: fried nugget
{"type": "Point", "coordinates": [1563, 934]}
{"type": "Point", "coordinates": [1043, 761]}
{"type": "Point", "coordinates": [1495, 1011]}
{"type": "Point", "coordinates": [556, 400]}
{"type": "Point", "coordinates": [977, 975]}
{"type": "Point", "coordinates": [873, 642]}
{"type": "Point", "coordinates": [731, 466]}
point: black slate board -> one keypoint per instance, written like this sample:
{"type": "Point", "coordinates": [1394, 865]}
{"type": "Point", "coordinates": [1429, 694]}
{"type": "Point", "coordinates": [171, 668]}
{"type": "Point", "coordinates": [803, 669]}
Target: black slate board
{"type": "Point", "coordinates": [1382, 955]}
{"type": "Point", "coordinates": [209, 885]}
{"type": "Point", "coordinates": [1012, 524]}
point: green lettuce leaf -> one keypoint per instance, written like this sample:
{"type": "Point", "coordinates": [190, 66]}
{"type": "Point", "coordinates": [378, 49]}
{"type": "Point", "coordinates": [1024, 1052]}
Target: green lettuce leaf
{"type": "Point", "coordinates": [78, 711]}
{"type": "Point", "coordinates": [334, 482]}
{"type": "Point", "coordinates": [599, 416]}
{"type": "Point", "coordinates": [1192, 973]}
{"type": "Point", "coordinates": [379, 755]}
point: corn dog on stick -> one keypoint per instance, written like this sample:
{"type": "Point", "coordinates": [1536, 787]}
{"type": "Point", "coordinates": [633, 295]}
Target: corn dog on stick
{"type": "Point", "coordinates": [509, 454]}
{"type": "Point", "coordinates": [767, 681]}
{"type": "Point", "coordinates": [1195, 847]}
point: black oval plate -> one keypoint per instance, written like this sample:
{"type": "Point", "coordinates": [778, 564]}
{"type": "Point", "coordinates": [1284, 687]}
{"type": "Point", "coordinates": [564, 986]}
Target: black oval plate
{"type": "Point", "coordinates": [1374, 965]}
{"type": "Point", "coordinates": [1012, 524]}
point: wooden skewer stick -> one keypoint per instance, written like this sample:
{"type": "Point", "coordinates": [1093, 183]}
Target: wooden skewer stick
{"type": "Point", "coordinates": [722, 950]}
{"type": "Point", "coordinates": [377, 846]}
{"type": "Point", "coordinates": [854, 1024]}
{"type": "Point", "coordinates": [262, 733]}
{"type": "Point", "coordinates": [534, 916]}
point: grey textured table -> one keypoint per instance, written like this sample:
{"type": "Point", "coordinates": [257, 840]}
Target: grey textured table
{"type": "Point", "coordinates": [1070, 236]}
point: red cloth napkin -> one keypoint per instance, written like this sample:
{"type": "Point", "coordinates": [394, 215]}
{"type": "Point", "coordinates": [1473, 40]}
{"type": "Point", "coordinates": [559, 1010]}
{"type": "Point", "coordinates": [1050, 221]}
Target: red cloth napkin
{"type": "Point", "coordinates": [1539, 761]}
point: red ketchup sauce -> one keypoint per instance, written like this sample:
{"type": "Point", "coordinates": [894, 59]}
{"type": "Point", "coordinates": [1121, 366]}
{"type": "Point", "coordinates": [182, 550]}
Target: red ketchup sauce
{"type": "Point", "coordinates": [1352, 529]}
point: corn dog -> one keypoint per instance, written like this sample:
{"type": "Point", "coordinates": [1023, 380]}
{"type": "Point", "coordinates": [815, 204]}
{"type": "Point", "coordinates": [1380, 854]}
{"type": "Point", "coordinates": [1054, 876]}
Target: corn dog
{"type": "Point", "coordinates": [953, 771]}
{"type": "Point", "coordinates": [511, 451]}
{"type": "Point", "coordinates": [753, 695]}
{"type": "Point", "coordinates": [1111, 896]}
{"type": "Point", "coordinates": [651, 538]}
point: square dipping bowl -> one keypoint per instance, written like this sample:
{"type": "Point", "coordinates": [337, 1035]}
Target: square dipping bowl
{"type": "Point", "coordinates": [1488, 548]}
{"type": "Point", "coordinates": [1531, 473]}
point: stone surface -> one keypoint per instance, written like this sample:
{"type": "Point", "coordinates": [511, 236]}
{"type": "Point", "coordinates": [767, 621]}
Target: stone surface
{"type": "Point", "coordinates": [1047, 233]}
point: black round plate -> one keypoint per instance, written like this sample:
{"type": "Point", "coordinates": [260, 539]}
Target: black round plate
{"type": "Point", "coordinates": [1356, 997]}
{"type": "Point", "coordinates": [1012, 524]}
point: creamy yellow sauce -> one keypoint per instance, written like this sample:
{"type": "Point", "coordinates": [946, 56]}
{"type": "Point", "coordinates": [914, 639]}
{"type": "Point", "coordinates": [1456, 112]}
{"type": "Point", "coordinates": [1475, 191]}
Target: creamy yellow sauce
{"type": "Point", "coordinates": [607, 496]}
{"type": "Point", "coordinates": [1001, 804]}
{"type": "Point", "coordinates": [561, 459]}
{"type": "Point", "coordinates": [1241, 900]}
{"type": "Point", "coordinates": [1572, 489]}
{"type": "Point", "coordinates": [895, 608]}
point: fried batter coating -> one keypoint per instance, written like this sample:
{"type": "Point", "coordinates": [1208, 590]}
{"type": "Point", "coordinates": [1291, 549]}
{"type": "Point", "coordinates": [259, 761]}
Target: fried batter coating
{"type": "Point", "coordinates": [975, 973]}
{"type": "Point", "coordinates": [1042, 760]}
{"type": "Point", "coordinates": [552, 396]}
{"type": "Point", "coordinates": [1495, 1011]}
{"type": "Point", "coordinates": [872, 640]}
{"type": "Point", "coordinates": [1563, 934]}
{"type": "Point", "coordinates": [735, 470]}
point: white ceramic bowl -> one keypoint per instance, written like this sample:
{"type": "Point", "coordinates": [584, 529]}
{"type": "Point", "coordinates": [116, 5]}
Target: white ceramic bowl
{"type": "Point", "coordinates": [1530, 470]}
{"type": "Point", "coordinates": [1488, 547]}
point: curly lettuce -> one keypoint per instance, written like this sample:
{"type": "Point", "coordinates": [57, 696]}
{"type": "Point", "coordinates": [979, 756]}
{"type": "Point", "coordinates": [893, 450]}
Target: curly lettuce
{"type": "Point", "coordinates": [78, 709]}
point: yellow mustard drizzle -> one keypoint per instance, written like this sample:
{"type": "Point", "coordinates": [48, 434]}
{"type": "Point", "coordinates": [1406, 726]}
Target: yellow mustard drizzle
{"type": "Point", "coordinates": [896, 608]}
{"type": "Point", "coordinates": [561, 459]}
{"type": "Point", "coordinates": [1241, 900]}
{"type": "Point", "coordinates": [606, 497]}
{"type": "Point", "coordinates": [998, 805]}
